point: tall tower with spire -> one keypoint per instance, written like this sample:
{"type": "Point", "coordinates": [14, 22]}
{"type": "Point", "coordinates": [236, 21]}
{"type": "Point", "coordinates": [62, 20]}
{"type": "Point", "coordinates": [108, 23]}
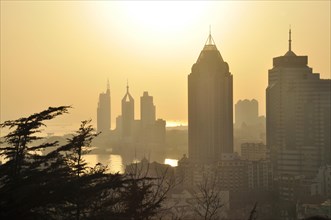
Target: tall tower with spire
{"type": "Point", "coordinates": [210, 106]}
{"type": "Point", "coordinates": [127, 113]}
{"type": "Point", "coordinates": [103, 111]}
{"type": "Point", "coordinates": [297, 116]}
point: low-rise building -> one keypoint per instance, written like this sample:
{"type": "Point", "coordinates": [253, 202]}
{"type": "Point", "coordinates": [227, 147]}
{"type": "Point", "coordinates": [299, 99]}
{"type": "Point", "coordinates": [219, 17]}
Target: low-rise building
{"type": "Point", "coordinates": [323, 181]}
{"type": "Point", "coordinates": [260, 175]}
{"type": "Point", "coordinates": [232, 173]}
{"type": "Point", "coordinates": [253, 151]}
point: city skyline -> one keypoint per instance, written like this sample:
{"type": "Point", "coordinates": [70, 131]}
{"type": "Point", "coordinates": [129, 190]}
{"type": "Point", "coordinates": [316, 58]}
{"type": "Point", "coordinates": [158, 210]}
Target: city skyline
{"type": "Point", "coordinates": [254, 99]}
{"type": "Point", "coordinates": [90, 46]}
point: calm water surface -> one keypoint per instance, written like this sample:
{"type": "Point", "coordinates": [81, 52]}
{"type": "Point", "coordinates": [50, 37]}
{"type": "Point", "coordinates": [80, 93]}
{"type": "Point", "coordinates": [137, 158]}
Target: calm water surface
{"type": "Point", "coordinates": [113, 161]}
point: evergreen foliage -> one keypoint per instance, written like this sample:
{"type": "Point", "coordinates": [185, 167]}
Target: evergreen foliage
{"type": "Point", "coordinates": [60, 184]}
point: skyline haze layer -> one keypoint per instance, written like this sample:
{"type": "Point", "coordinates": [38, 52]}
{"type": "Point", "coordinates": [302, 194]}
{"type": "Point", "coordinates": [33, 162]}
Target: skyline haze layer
{"type": "Point", "coordinates": [61, 53]}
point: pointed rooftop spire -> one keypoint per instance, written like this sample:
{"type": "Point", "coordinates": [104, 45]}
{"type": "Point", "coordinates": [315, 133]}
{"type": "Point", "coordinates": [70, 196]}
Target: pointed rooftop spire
{"type": "Point", "coordinates": [290, 52]}
{"type": "Point", "coordinates": [210, 43]}
{"type": "Point", "coordinates": [289, 40]}
{"type": "Point", "coordinates": [127, 97]}
{"type": "Point", "coordinates": [209, 48]}
{"type": "Point", "coordinates": [108, 86]}
{"type": "Point", "coordinates": [210, 40]}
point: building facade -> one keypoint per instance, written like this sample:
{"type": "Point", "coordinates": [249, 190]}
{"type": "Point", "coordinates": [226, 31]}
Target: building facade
{"type": "Point", "coordinates": [260, 175]}
{"type": "Point", "coordinates": [232, 174]}
{"type": "Point", "coordinates": [323, 180]}
{"type": "Point", "coordinates": [253, 151]}
{"type": "Point", "coordinates": [298, 116]}
{"type": "Point", "coordinates": [210, 106]}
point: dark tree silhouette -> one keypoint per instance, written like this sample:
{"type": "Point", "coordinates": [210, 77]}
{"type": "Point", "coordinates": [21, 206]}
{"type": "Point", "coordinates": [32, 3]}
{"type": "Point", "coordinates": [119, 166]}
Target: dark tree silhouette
{"type": "Point", "coordinates": [208, 199]}
{"type": "Point", "coordinates": [81, 175]}
{"type": "Point", "coordinates": [18, 140]}
{"type": "Point", "coordinates": [60, 184]}
{"type": "Point", "coordinates": [146, 191]}
{"type": "Point", "coordinates": [253, 214]}
{"type": "Point", "coordinates": [22, 174]}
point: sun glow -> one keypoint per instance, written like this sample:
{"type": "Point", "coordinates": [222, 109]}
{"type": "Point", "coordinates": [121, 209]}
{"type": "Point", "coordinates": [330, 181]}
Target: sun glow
{"type": "Point", "coordinates": [175, 123]}
{"type": "Point", "coordinates": [164, 16]}
{"type": "Point", "coordinates": [171, 162]}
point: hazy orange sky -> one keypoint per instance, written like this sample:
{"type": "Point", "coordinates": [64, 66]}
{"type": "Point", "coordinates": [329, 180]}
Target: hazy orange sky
{"type": "Point", "coordinates": [62, 52]}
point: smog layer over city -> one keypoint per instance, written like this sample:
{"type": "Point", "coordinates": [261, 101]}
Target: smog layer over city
{"type": "Point", "coordinates": [167, 110]}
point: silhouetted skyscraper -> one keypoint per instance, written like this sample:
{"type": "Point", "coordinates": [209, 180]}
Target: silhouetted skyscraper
{"type": "Point", "coordinates": [151, 132]}
{"type": "Point", "coordinates": [210, 106]}
{"type": "Point", "coordinates": [298, 116]}
{"type": "Point", "coordinates": [103, 111]}
{"type": "Point", "coordinates": [147, 110]}
{"type": "Point", "coordinates": [127, 114]}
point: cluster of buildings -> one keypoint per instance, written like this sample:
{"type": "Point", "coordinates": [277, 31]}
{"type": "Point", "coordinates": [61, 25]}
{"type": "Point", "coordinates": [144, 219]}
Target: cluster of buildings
{"type": "Point", "coordinates": [131, 136]}
{"type": "Point", "coordinates": [249, 126]}
{"type": "Point", "coordinates": [283, 161]}
{"type": "Point", "coordinates": [293, 166]}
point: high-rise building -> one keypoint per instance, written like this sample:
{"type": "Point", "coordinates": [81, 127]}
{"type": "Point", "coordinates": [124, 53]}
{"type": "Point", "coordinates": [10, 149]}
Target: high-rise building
{"type": "Point", "coordinates": [298, 116]}
{"type": "Point", "coordinates": [147, 110]}
{"type": "Point", "coordinates": [151, 131]}
{"type": "Point", "coordinates": [210, 106]}
{"type": "Point", "coordinates": [103, 111]}
{"type": "Point", "coordinates": [127, 118]}
{"type": "Point", "coordinates": [246, 111]}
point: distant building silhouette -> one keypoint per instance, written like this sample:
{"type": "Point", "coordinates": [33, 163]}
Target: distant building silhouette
{"type": "Point", "coordinates": [159, 134]}
{"type": "Point", "coordinates": [152, 131]}
{"type": "Point", "coordinates": [298, 116]}
{"type": "Point", "coordinates": [210, 106]}
{"type": "Point", "coordinates": [147, 110]}
{"type": "Point", "coordinates": [103, 111]}
{"type": "Point", "coordinates": [127, 118]}
{"type": "Point", "coordinates": [145, 135]}
{"type": "Point", "coordinates": [246, 111]}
